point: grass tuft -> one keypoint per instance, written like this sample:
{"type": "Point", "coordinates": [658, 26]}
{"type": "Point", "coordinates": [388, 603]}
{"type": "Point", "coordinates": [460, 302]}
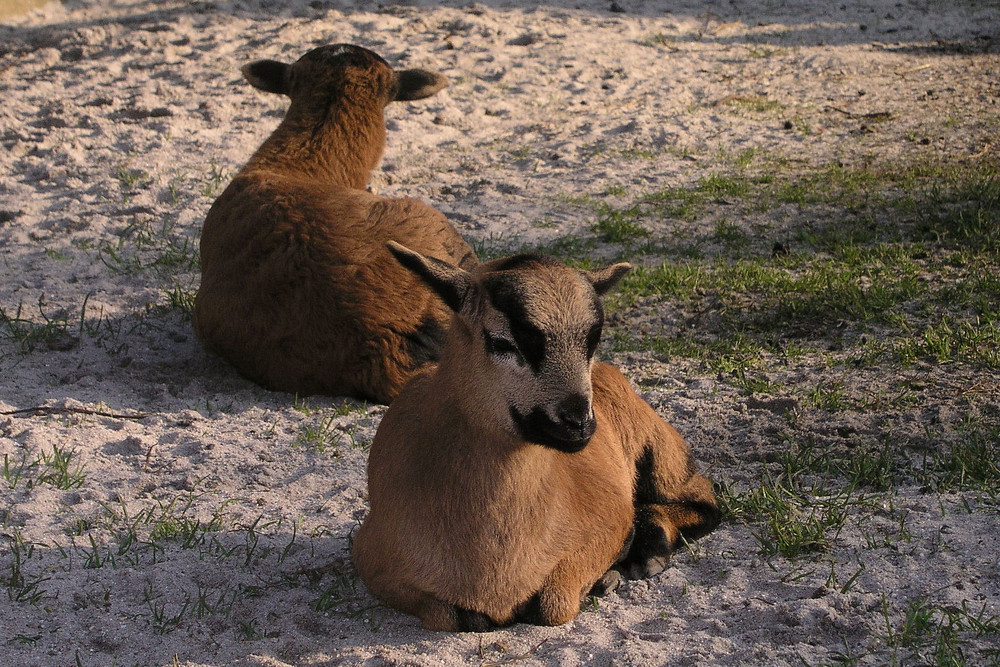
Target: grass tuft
{"type": "Point", "coordinates": [56, 469]}
{"type": "Point", "coordinates": [786, 521]}
{"type": "Point", "coordinates": [324, 436]}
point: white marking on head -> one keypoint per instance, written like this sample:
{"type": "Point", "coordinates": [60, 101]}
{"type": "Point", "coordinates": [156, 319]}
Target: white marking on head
{"type": "Point", "coordinates": [340, 50]}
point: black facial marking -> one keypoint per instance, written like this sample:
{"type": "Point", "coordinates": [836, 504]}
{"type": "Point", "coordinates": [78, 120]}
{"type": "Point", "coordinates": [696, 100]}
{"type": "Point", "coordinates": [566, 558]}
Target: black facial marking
{"type": "Point", "coordinates": [504, 296]}
{"type": "Point", "coordinates": [531, 341]}
{"type": "Point", "coordinates": [537, 427]}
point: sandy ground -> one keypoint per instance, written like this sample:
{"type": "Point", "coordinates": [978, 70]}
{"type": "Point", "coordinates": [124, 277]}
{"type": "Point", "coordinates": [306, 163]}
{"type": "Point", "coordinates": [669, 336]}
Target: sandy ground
{"type": "Point", "coordinates": [204, 521]}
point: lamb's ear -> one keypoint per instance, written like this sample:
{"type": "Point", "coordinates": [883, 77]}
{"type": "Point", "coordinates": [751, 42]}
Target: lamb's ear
{"type": "Point", "coordinates": [270, 76]}
{"type": "Point", "coordinates": [606, 278]}
{"type": "Point", "coordinates": [416, 84]}
{"type": "Point", "coordinates": [452, 284]}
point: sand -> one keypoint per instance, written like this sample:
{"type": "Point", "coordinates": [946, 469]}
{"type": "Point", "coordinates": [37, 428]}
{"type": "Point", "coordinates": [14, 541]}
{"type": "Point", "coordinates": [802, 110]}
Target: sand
{"type": "Point", "coordinates": [202, 520]}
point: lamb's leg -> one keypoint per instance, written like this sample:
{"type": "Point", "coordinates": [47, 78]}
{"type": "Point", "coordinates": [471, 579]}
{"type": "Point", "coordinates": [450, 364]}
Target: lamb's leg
{"type": "Point", "coordinates": [435, 614]}
{"type": "Point", "coordinates": [568, 585]}
{"type": "Point", "coordinates": [667, 509]}
{"type": "Point", "coordinates": [612, 579]}
{"type": "Point", "coordinates": [557, 602]}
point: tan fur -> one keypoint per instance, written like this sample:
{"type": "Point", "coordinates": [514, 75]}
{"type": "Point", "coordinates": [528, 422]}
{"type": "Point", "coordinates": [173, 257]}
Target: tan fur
{"type": "Point", "coordinates": [471, 526]}
{"type": "Point", "coordinates": [298, 291]}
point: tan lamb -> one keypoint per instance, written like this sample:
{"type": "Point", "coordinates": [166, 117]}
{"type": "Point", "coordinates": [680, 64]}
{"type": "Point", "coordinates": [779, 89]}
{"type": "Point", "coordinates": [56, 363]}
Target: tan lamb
{"type": "Point", "coordinates": [519, 475]}
{"type": "Point", "coordinates": [298, 290]}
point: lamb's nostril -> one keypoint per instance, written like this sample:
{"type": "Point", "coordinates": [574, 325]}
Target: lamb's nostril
{"type": "Point", "coordinates": [574, 411]}
{"type": "Point", "coordinates": [573, 420]}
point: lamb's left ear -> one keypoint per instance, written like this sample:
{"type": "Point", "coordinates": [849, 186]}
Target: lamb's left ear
{"type": "Point", "coordinates": [416, 84]}
{"type": "Point", "coordinates": [606, 278]}
{"type": "Point", "coordinates": [270, 76]}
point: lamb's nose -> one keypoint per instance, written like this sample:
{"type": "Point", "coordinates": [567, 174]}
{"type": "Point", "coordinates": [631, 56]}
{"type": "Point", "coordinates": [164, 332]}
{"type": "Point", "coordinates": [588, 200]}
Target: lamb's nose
{"type": "Point", "coordinates": [574, 412]}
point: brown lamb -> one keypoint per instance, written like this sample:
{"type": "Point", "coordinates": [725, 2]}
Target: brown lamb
{"type": "Point", "coordinates": [519, 475]}
{"type": "Point", "coordinates": [298, 290]}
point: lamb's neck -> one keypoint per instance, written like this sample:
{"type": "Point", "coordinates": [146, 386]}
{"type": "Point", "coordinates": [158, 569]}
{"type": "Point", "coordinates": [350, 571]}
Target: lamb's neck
{"type": "Point", "coordinates": [338, 152]}
{"type": "Point", "coordinates": [486, 455]}
{"type": "Point", "coordinates": [484, 417]}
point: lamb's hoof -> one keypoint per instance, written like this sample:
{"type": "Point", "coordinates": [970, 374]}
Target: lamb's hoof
{"type": "Point", "coordinates": [610, 582]}
{"type": "Point", "coordinates": [646, 568]}
{"type": "Point", "coordinates": [473, 621]}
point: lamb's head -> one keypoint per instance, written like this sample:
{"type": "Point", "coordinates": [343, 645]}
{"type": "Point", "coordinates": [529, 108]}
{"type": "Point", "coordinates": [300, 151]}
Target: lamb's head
{"type": "Point", "coordinates": [529, 327]}
{"type": "Point", "coordinates": [328, 75]}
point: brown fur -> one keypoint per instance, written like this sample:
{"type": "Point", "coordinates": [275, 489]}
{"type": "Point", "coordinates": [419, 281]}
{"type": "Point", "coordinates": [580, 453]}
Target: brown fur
{"type": "Point", "coordinates": [298, 291]}
{"type": "Point", "coordinates": [471, 525]}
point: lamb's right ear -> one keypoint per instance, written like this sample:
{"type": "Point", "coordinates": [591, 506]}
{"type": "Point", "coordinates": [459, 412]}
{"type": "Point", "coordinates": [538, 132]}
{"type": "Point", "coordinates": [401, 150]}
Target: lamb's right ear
{"type": "Point", "coordinates": [416, 84]}
{"type": "Point", "coordinates": [270, 76]}
{"type": "Point", "coordinates": [452, 284]}
{"type": "Point", "coordinates": [606, 278]}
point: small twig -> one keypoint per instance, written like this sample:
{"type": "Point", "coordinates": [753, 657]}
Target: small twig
{"type": "Point", "coordinates": [734, 98]}
{"type": "Point", "coordinates": [980, 387]}
{"type": "Point", "coordinates": [337, 567]}
{"type": "Point", "coordinates": [986, 149]}
{"type": "Point", "coordinates": [514, 658]}
{"type": "Point", "coordinates": [875, 115]}
{"type": "Point", "coordinates": [914, 69]}
{"type": "Point", "coordinates": [44, 410]}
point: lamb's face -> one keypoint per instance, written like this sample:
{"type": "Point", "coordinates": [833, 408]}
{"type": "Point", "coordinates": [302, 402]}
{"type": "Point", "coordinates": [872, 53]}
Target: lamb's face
{"type": "Point", "coordinates": [534, 325]}
{"type": "Point", "coordinates": [540, 325]}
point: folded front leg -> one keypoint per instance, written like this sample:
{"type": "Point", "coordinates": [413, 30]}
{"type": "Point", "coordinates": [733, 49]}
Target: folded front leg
{"type": "Point", "coordinates": [667, 510]}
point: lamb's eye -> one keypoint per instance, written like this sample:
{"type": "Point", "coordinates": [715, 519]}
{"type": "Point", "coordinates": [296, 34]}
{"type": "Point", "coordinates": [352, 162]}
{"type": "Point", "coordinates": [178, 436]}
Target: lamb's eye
{"type": "Point", "coordinates": [593, 339]}
{"type": "Point", "coordinates": [503, 346]}
{"type": "Point", "coordinates": [499, 345]}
